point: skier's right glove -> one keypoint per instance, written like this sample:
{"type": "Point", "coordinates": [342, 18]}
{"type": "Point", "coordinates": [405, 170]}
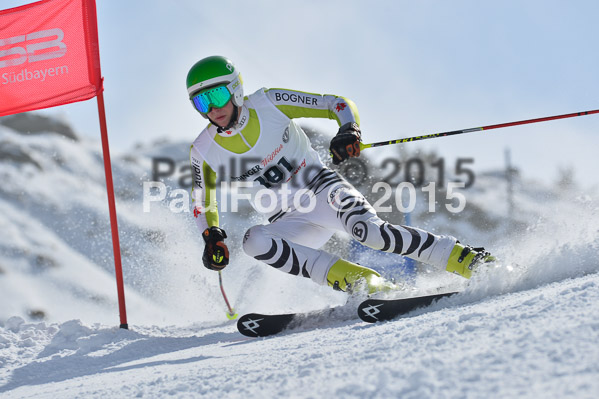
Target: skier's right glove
{"type": "Point", "coordinates": [346, 143]}
{"type": "Point", "coordinates": [216, 253]}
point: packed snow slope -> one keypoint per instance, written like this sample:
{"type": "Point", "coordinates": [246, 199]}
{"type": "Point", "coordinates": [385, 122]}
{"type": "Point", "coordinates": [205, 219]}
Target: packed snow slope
{"type": "Point", "coordinates": [536, 343]}
{"type": "Point", "coordinates": [526, 327]}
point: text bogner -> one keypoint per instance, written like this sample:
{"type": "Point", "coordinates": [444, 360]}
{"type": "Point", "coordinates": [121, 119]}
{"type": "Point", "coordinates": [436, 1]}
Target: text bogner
{"type": "Point", "coordinates": [257, 168]}
{"type": "Point", "coordinates": [248, 174]}
{"type": "Point", "coordinates": [294, 98]}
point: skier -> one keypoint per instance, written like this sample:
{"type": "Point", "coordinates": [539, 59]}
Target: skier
{"type": "Point", "coordinates": [255, 141]}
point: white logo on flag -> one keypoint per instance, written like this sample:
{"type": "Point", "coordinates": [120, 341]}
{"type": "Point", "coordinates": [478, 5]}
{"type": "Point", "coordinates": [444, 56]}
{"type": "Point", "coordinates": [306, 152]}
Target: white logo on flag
{"type": "Point", "coordinates": [32, 52]}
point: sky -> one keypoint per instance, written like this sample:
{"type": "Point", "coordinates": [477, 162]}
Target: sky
{"type": "Point", "coordinates": [412, 68]}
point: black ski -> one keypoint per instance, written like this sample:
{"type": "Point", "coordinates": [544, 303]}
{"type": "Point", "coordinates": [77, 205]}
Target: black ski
{"type": "Point", "coordinates": [375, 310]}
{"type": "Point", "coordinates": [263, 325]}
{"type": "Point", "coordinates": [370, 310]}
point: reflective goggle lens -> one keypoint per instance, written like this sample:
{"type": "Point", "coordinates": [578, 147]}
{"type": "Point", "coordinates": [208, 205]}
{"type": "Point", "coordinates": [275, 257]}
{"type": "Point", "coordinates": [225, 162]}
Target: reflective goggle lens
{"type": "Point", "coordinates": [216, 97]}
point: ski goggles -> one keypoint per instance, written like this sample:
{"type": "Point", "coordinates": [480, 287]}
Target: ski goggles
{"type": "Point", "coordinates": [215, 97]}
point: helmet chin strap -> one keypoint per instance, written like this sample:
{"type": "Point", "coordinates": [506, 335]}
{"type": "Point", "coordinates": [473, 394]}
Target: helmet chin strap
{"type": "Point", "coordinates": [232, 122]}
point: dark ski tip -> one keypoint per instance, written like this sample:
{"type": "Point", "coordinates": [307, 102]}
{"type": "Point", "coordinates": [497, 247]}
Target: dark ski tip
{"type": "Point", "coordinates": [262, 325]}
{"type": "Point", "coordinates": [375, 310]}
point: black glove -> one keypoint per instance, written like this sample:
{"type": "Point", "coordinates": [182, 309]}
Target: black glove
{"type": "Point", "coordinates": [216, 253]}
{"type": "Point", "coordinates": [346, 143]}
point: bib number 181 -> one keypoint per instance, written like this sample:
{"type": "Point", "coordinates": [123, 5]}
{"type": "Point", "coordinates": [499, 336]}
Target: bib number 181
{"type": "Point", "coordinates": [274, 175]}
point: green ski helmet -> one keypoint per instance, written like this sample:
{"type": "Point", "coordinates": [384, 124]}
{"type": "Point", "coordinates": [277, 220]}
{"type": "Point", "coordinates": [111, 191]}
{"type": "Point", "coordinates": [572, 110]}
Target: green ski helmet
{"type": "Point", "coordinates": [214, 72]}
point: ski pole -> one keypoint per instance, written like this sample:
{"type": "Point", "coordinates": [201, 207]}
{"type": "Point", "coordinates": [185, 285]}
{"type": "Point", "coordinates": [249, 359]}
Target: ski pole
{"type": "Point", "coordinates": [231, 315]}
{"type": "Point", "coordinates": [475, 129]}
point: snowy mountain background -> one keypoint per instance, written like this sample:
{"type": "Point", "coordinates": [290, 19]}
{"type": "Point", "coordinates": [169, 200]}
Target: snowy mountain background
{"type": "Point", "coordinates": [525, 328]}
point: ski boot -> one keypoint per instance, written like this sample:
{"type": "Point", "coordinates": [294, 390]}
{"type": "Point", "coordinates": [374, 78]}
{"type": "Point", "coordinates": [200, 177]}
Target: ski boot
{"type": "Point", "coordinates": [350, 277]}
{"type": "Point", "coordinates": [464, 259]}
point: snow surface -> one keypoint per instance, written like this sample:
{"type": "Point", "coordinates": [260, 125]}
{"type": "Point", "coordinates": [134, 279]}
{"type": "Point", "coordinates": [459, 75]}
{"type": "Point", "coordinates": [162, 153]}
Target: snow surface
{"type": "Point", "coordinates": [537, 343]}
{"type": "Point", "coordinates": [527, 327]}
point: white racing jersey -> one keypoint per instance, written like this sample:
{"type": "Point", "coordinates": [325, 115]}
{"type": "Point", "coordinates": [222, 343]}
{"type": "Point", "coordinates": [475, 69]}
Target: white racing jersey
{"type": "Point", "coordinates": [266, 154]}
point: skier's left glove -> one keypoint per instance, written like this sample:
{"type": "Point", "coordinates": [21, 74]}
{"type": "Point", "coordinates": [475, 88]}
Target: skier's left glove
{"type": "Point", "coordinates": [216, 253]}
{"type": "Point", "coordinates": [346, 143]}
